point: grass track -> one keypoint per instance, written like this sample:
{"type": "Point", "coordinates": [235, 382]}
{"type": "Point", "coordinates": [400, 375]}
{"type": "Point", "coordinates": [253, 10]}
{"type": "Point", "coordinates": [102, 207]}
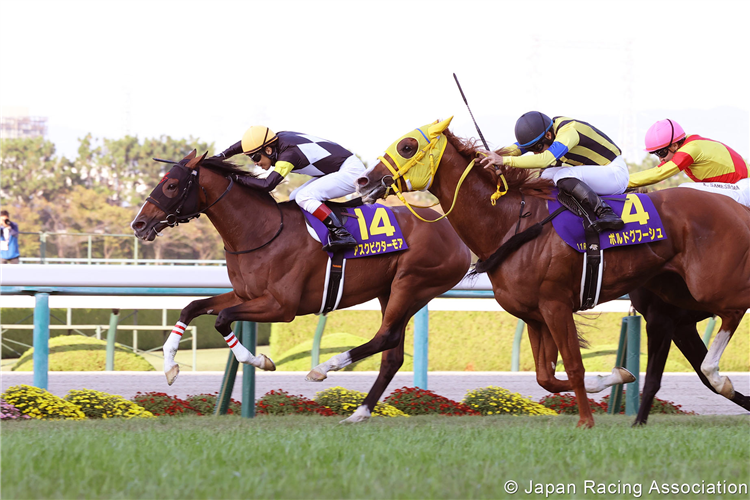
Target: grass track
{"type": "Point", "coordinates": [314, 457]}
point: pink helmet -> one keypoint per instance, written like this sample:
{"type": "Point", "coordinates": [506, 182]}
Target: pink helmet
{"type": "Point", "coordinates": [663, 133]}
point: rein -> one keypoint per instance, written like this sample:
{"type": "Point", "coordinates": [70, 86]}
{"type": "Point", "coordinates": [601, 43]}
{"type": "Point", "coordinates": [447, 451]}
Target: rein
{"type": "Point", "coordinates": [398, 193]}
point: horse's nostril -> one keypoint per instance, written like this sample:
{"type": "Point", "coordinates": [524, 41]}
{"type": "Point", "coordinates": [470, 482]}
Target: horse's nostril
{"type": "Point", "coordinates": [362, 181]}
{"type": "Point", "coordinates": [137, 225]}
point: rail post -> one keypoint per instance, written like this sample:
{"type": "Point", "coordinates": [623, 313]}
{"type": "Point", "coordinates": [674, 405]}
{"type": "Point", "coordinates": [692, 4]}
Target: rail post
{"type": "Point", "coordinates": [41, 339]}
{"type": "Point", "coordinates": [633, 364]}
{"type": "Point", "coordinates": [709, 330]}
{"type": "Point", "coordinates": [249, 339]}
{"type": "Point", "coordinates": [111, 335]}
{"type": "Point", "coordinates": [516, 355]}
{"type": "Point", "coordinates": [615, 396]}
{"type": "Point", "coordinates": [230, 374]}
{"type": "Point", "coordinates": [315, 354]}
{"type": "Point", "coordinates": [421, 345]}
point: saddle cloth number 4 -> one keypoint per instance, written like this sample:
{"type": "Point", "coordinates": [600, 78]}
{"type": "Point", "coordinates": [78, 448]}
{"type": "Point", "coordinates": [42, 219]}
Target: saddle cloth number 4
{"type": "Point", "coordinates": [633, 211]}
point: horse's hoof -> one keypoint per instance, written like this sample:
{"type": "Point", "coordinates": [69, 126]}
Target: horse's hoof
{"type": "Point", "coordinates": [172, 374]}
{"type": "Point", "coordinates": [726, 389]}
{"type": "Point", "coordinates": [315, 376]}
{"type": "Point", "coordinates": [361, 414]}
{"type": "Point", "coordinates": [267, 364]}
{"type": "Point", "coordinates": [625, 376]}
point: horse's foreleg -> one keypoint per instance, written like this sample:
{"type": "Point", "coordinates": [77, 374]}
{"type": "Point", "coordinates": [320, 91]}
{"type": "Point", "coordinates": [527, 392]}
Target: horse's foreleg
{"type": "Point", "coordinates": [391, 362]}
{"type": "Point", "coordinates": [659, 341]}
{"type": "Point", "coordinates": [545, 358]}
{"type": "Point", "coordinates": [559, 320]}
{"type": "Point", "coordinates": [710, 366]}
{"type": "Point", "coordinates": [211, 305]}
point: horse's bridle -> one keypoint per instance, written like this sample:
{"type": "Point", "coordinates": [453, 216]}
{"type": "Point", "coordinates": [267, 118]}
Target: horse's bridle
{"type": "Point", "coordinates": [173, 207]}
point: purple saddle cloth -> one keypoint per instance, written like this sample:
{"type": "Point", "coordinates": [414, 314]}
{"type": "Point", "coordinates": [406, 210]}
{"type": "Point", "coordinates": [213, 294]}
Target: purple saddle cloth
{"type": "Point", "coordinates": [373, 226]}
{"type": "Point", "coordinates": [642, 223]}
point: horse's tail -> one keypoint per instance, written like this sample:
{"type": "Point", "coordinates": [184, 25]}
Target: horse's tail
{"type": "Point", "coordinates": [507, 248]}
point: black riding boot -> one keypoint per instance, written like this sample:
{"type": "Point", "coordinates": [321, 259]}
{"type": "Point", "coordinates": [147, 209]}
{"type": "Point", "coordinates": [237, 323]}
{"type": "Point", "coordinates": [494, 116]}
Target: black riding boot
{"type": "Point", "coordinates": [599, 214]}
{"type": "Point", "coordinates": [338, 237]}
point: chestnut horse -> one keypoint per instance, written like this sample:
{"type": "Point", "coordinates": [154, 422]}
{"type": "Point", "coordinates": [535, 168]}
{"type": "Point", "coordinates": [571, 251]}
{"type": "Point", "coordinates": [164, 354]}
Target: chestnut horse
{"type": "Point", "coordinates": [278, 271]}
{"type": "Point", "coordinates": [536, 276]}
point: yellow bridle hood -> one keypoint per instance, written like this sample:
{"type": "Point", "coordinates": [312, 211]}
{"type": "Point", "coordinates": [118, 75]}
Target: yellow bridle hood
{"type": "Point", "coordinates": [418, 171]}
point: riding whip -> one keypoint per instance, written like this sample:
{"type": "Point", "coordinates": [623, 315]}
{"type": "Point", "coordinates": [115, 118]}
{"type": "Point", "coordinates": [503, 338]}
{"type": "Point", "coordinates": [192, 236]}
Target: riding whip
{"type": "Point", "coordinates": [472, 114]}
{"type": "Point", "coordinates": [500, 177]}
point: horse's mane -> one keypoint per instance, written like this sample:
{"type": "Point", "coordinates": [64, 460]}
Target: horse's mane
{"type": "Point", "coordinates": [524, 180]}
{"type": "Point", "coordinates": [226, 168]}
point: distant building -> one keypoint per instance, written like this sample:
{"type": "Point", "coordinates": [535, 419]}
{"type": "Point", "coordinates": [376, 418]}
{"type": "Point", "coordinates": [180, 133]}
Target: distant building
{"type": "Point", "coordinates": [16, 123]}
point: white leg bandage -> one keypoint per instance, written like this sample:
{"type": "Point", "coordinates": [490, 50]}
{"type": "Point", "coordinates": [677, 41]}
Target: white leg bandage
{"type": "Point", "coordinates": [335, 363]}
{"type": "Point", "coordinates": [172, 344]}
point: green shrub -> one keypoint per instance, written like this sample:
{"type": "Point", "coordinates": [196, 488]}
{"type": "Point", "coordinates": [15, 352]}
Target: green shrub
{"type": "Point", "coordinates": [79, 353]}
{"type": "Point", "coordinates": [498, 401]}
{"type": "Point", "coordinates": [345, 402]}
{"type": "Point", "coordinates": [95, 404]}
{"type": "Point", "coordinates": [280, 402]}
{"type": "Point", "coordinates": [415, 401]}
{"type": "Point", "coordinates": [40, 404]}
{"type": "Point", "coordinates": [658, 406]}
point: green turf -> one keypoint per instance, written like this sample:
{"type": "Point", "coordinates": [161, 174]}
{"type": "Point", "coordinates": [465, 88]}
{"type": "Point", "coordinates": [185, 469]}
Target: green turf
{"type": "Point", "coordinates": [417, 457]}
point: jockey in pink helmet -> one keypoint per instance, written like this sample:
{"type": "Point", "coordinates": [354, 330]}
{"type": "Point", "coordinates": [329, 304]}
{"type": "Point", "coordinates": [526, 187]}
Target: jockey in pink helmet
{"type": "Point", "coordinates": [714, 166]}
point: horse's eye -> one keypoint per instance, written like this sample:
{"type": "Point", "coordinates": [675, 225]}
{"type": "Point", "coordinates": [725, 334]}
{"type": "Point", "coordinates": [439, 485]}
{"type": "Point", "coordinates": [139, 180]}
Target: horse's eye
{"type": "Point", "coordinates": [407, 147]}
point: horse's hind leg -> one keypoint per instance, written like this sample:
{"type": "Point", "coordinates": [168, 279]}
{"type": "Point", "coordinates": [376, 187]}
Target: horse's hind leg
{"type": "Point", "coordinates": [211, 305]}
{"type": "Point", "coordinates": [545, 358]}
{"type": "Point", "coordinates": [689, 342]}
{"type": "Point", "coordinates": [730, 320]}
{"type": "Point", "coordinates": [396, 313]}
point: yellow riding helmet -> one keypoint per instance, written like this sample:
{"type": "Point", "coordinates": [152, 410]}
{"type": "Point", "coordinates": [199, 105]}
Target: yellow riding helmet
{"type": "Point", "coordinates": [256, 137]}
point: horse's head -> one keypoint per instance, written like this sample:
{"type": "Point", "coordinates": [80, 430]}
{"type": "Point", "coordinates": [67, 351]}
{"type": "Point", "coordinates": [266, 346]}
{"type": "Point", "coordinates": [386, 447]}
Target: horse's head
{"type": "Point", "coordinates": [409, 164]}
{"type": "Point", "coordinates": [175, 199]}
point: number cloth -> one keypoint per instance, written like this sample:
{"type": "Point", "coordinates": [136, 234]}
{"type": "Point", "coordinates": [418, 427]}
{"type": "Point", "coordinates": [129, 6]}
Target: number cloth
{"type": "Point", "coordinates": [375, 228]}
{"type": "Point", "coordinates": [642, 223]}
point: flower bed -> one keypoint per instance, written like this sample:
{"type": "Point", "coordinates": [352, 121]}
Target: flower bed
{"type": "Point", "coordinates": [415, 401]}
{"type": "Point", "coordinates": [498, 401]}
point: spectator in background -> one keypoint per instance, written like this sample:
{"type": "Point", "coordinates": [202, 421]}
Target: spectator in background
{"type": "Point", "coordinates": [8, 239]}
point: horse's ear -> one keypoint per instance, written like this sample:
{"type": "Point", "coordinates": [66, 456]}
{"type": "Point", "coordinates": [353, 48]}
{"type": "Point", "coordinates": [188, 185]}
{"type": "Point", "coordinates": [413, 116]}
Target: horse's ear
{"type": "Point", "coordinates": [195, 161]}
{"type": "Point", "coordinates": [438, 128]}
{"type": "Point", "coordinates": [190, 156]}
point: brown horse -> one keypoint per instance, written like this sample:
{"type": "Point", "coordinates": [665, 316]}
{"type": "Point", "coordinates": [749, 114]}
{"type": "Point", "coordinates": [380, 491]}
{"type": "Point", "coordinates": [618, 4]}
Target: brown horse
{"type": "Point", "coordinates": [536, 276]}
{"type": "Point", "coordinates": [277, 270]}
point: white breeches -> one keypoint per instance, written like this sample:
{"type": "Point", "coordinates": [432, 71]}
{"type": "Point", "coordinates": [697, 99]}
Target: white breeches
{"type": "Point", "coordinates": [739, 192]}
{"type": "Point", "coordinates": [603, 179]}
{"type": "Point", "coordinates": [314, 192]}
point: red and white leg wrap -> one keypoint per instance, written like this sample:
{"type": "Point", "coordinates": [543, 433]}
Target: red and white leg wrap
{"type": "Point", "coordinates": [239, 350]}
{"type": "Point", "coordinates": [172, 344]}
